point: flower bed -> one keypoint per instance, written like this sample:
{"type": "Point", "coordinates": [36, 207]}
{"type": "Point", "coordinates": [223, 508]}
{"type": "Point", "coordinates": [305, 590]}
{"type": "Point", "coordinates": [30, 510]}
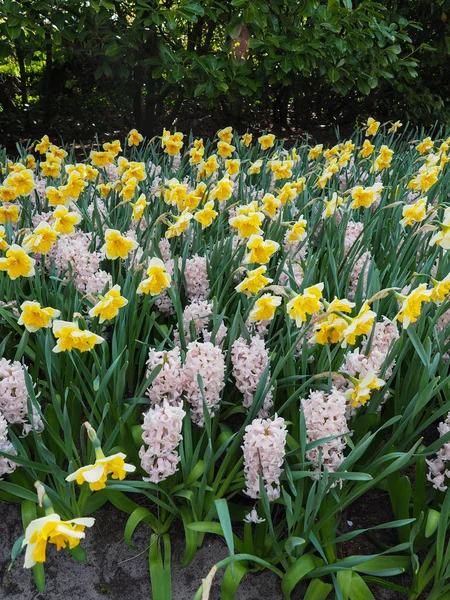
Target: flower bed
{"type": "Point", "coordinates": [236, 336]}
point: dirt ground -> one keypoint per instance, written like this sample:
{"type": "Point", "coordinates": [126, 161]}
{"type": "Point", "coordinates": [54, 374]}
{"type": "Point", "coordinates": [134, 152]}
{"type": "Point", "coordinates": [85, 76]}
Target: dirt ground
{"type": "Point", "coordinates": [116, 572]}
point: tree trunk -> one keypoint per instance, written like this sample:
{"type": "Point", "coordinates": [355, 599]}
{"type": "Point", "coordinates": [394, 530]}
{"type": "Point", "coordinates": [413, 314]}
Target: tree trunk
{"type": "Point", "coordinates": [23, 73]}
{"type": "Point", "coordinates": [47, 92]}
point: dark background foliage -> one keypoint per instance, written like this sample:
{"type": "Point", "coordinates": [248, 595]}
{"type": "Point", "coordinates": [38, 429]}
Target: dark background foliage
{"type": "Point", "coordinates": [76, 67]}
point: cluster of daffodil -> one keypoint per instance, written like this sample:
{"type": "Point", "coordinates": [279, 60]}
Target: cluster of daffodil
{"type": "Point", "coordinates": [241, 268]}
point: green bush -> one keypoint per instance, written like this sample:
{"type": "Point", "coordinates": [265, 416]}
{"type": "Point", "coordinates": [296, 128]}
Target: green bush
{"type": "Point", "coordinates": [304, 59]}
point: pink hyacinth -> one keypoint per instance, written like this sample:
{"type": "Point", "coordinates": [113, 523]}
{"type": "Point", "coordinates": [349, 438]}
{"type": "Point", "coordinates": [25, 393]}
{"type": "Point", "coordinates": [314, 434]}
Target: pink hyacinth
{"type": "Point", "coordinates": [206, 360]}
{"type": "Point", "coordinates": [352, 234]}
{"type": "Point", "coordinates": [161, 431]}
{"type": "Point", "coordinates": [439, 467]}
{"type": "Point", "coordinates": [6, 465]}
{"type": "Point", "coordinates": [325, 417]}
{"type": "Point", "coordinates": [297, 249]}
{"type": "Point", "coordinates": [359, 361]}
{"type": "Point", "coordinates": [443, 325]}
{"type": "Point", "coordinates": [74, 251]}
{"type": "Point", "coordinates": [196, 277]}
{"type": "Point", "coordinates": [291, 270]}
{"type": "Point", "coordinates": [249, 363]}
{"type": "Point", "coordinates": [167, 385]}
{"type": "Point", "coordinates": [163, 301]}
{"type": "Point", "coordinates": [164, 248]}
{"type": "Point", "coordinates": [197, 314]}
{"type": "Point", "coordinates": [264, 450]}
{"type": "Point", "coordinates": [39, 191]}
{"type": "Point", "coordinates": [14, 396]}
{"type": "Point", "coordinates": [112, 172]}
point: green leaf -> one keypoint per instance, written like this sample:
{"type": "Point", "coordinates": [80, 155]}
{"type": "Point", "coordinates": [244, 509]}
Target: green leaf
{"type": "Point", "coordinates": [432, 522]}
{"type": "Point", "coordinates": [317, 590]}
{"type": "Point", "coordinates": [138, 515]}
{"type": "Point", "coordinates": [225, 521]}
{"type": "Point", "coordinates": [295, 573]}
{"type": "Point", "coordinates": [231, 580]}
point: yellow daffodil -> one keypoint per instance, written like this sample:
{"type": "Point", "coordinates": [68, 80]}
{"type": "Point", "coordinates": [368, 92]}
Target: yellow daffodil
{"type": "Point", "coordinates": [425, 179]}
{"type": "Point", "coordinates": [331, 330]}
{"type": "Point", "coordinates": [207, 167]}
{"type": "Point", "coordinates": [282, 169]}
{"type": "Point", "coordinates": [359, 325]}
{"type": "Point", "coordinates": [246, 139]}
{"type": "Point", "coordinates": [128, 190]}
{"type": "Point", "coordinates": [206, 215]}
{"type": "Point", "coordinates": [9, 213]}
{"type": "Point", "coordinates": [340, 305]}
{"type": "Point", "coordinates": [96, 474]}
{"type": "Point", "coordinates": [247, 224]}
{"type": "Point", "coordinates": [35, 317]}
{"type": "Point", "coordinates": [134, 138]}
{"type": "Point", "coordinates": [442, 237]}
{"type": "Point", "coordinates": [196, 155]}
{"type": "Point", "coordinates": [270, 205]}
{"type": "Point", "coordinates": [51, 529]}
{"type": "Point", "coordinates": [264, 308]}
{"type": "Point", "coordinates": [139, 207]}
{"type": "Point", "coordinates": [108, 306]}
{"type": "Point", "coordinates": [116, 245]}
{"type": "Point", "coordinates": [134, 170]}
{"type": "Point", "coordinates": [363, 386]}
{"type": "Point", "coordinates": [441, 290]}
{"type": "Point", "coordinates": [372, 126]}
{"type": "Point", "coordinates": [172, 143]}
{"type": "Point", "coordinates": [70, 337]}
{"type": "Point", "coordinates": [225, 150]}
{"type": "Point", "coordinates": [366, 196]}
{"type": "Point", "coordinates": [305, 304]}
{"type": "Point", "coordinates": [17, 263]}
{"type": "Point", "coordinates": [222, 190]}
{"type": "Point", "coordinates": [260, 250]}
{"type": "Point", "coordinates": [7, 194]}
{"type": "Point", "coordinates": [101, 159]}
{"type": "Point", "coordinates": [158, 279]}
{"type": "Point", "coordinates": [226, 135]}
{"type": "Point", "coordinates": [43, 146]}
{"type": "Point", "coordinates": [383, 160]}
{"type": "Point", "coordinates": [21, 182]}
{"type": "Point", "coordinates": [425, 145]}
{"type": "Point", "coordinates": [332, 205]}
{"type": "Point", "coordinates": [75, 185]}
{"type": "Point", "coordinates": [3, 242]}
{"type": "Point", "coordinates": [57, 152]}
{"type": "Point", "coordinates": [113, 147]}
{"type": "Point", "coordinates": [395, 127]}
{"type": "Point", "coordinates": [412, 304]}
{"type": "Point", "coordinates": [41, 239]}
{"type": "Point", "coordinates": [414, 213]}
{"type": "Point", "coordinates": [232, 165]}
{"type": "Point", "coordinates": [367, 149]}
{"type": "Point", "coordinates": [266, 141]}
{"type": "Point", "coordinates": [175, 192]}
{"type": "Point", "coordinates": [254, 282]}
{"type": "Point", "coordinates": [180, 225]}
{"type": "Point", "coordinates": [297, 231]}
{"type": "Point", "coordinates": [65, 221]}
{"type": "Point", "coordinates": [91, 173]}
{"type": "Point", "coordinates": [255, 167]}
{"type": "Point", "coordinates": [315, 152]}
{"type": "Point", "coordinates": [57, 196]}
